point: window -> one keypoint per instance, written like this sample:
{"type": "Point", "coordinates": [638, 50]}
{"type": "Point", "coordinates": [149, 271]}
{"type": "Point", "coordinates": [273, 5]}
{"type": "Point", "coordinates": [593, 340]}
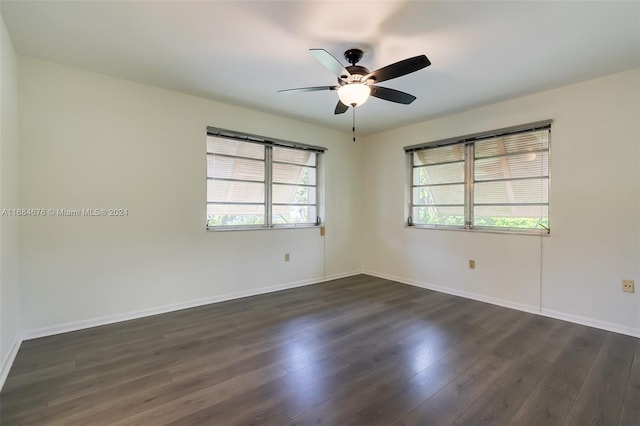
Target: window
{"type": "Point", "coordinates": [497, 180]}
{"type": "Point", "coordinates": [253, 182]}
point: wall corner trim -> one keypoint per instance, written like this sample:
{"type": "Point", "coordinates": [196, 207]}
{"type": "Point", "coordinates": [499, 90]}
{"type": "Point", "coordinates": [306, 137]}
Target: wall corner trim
{"type": "Point", "coordinates": [7, 363]}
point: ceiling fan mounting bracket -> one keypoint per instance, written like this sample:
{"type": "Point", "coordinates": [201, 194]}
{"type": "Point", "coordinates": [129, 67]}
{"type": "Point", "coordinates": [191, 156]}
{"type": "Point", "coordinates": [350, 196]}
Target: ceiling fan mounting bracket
{"type": "Point", "coordinates": [353, 56]}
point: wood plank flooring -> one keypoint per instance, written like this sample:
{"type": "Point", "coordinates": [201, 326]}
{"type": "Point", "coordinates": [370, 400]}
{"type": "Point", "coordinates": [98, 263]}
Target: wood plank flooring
{"type": "Point", "coordinates": [354, 351]}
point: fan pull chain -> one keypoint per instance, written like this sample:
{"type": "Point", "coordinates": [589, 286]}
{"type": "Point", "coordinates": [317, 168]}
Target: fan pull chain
{"type": "Point", "coordinates": [354, 123]}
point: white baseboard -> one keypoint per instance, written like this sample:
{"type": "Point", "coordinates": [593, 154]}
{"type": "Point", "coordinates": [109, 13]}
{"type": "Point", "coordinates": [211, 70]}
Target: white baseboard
{"type": "Point", "coordinates": [110, 319]}
{"type": "Point", "coordinates": [8, 361]}
{"type": "Point", "coordinates": [590, 322]}
{"type": "Point", "coordinates": [603, 325]}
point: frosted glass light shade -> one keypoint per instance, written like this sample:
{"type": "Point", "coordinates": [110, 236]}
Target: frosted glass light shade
{"type": "Point", "coordinates": [354, 94]}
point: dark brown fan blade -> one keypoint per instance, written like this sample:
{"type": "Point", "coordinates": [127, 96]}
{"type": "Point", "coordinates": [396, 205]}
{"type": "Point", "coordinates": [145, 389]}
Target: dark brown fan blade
{"type": "Point", "coordinates": [398, 69]}
{"type": "Point", "coordinates": [341, 108]}
{"type": "Point", "coordinates": [330, 62]}
{"type": "Point", "coordinates": [392, 95]}
{"type": "Point", "coordinates": [310, 89]}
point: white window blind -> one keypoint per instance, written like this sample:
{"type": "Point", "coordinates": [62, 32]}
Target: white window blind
{"type": "Point", "coordinates": [257, 183]}
{"type": "Point", "coordinates": [497, 180]}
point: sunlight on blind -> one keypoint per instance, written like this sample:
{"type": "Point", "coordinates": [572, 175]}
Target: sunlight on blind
{"type": "Point", "coordinates": [294, 186]}
{"type": "Point", "coordinates": [235, 182]}
{"type": "Point", "coordinates": [511, 182]}
{"type": "Point", "coordinates": [438, 186]}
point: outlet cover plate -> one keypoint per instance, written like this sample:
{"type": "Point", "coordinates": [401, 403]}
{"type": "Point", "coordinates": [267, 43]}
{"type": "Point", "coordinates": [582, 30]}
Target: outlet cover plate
{"type": "Point", "coordinates": [628, 286]}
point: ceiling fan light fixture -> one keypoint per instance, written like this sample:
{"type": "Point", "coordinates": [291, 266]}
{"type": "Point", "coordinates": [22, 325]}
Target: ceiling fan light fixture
{"type": "Point", "coordinates": [354, 94]}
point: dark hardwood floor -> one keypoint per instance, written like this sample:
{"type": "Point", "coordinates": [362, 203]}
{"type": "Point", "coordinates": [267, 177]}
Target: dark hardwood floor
{"type": "Point", "coordinates": [354, 351]}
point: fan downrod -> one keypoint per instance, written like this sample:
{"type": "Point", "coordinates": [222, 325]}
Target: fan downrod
{"type": "Point", "coordinates": [353, 56]}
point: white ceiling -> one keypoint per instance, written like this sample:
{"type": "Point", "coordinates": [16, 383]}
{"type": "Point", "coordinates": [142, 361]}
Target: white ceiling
{"type": "Point", "coordinates": [243, 52]}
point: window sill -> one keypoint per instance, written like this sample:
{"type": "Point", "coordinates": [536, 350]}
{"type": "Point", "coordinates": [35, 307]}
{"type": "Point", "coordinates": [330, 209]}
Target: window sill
{"type": "Point", "coordinates": [260, 228]}
{"type": "Point", "coordinates": [508, 231]}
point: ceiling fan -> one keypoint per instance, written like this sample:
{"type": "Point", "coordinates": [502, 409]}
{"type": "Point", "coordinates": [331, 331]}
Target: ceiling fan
{"type": "Point", "coordinates": [356, 83]}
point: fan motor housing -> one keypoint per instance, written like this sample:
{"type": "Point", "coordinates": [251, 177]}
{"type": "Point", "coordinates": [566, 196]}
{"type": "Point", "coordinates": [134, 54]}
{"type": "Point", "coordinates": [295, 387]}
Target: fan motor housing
{"type": "Point", "coordinates": [356, 71]}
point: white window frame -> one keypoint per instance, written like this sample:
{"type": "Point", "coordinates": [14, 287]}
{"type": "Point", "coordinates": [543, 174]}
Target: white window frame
{"type": "Point", "coordinates": [468, 143]}
{"type": "Point", "coordinates": [269, 144]}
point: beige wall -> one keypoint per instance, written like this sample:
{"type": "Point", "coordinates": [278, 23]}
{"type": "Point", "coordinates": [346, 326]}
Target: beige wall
{"type": "Point", "coordinates": [9, 287]}
{"type": "Point", "coordinates": [576, 272]}
{"type": "Point", "coordinates": [91, 141]}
